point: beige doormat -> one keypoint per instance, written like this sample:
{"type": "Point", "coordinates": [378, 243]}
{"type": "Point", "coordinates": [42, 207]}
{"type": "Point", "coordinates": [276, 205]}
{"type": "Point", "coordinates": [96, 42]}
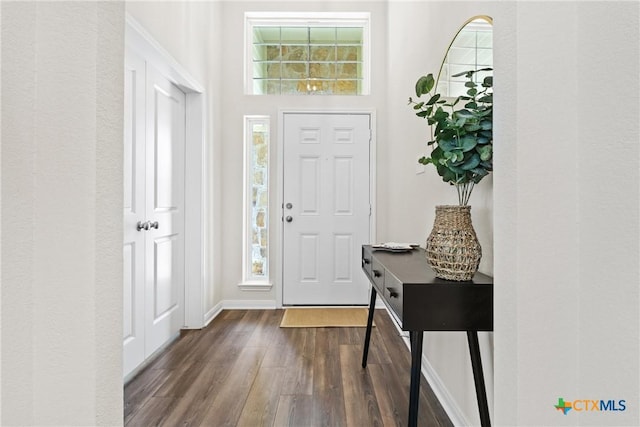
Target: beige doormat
{"type": "Point", "coordinates": [324, 317]}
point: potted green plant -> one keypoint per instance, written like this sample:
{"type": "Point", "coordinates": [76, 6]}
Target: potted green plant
{"type": "Point", "coordinates": [462, 152]}
{"type": "Point", "coordinates": [462, 131]}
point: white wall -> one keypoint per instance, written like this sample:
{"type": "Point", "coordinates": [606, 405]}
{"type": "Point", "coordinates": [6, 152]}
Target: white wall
{"type": "Point", "coordinates": [61, 214]}
{"type": "Point", "coordinates": [566, 211]}
{"type": "Point", "coordinates": [236, 105]}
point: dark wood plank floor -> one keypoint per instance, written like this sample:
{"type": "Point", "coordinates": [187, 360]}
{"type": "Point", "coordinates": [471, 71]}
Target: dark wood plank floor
{"type": "Point", "coordinates": [244, 370]}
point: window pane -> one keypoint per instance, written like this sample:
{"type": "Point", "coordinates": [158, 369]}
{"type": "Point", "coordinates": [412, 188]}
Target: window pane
{"type": "Point", "coordinates": [349, 53]}
{"type": "Point", "coordinates": [295, 35]}
{"type": "Point", "coordinates": [294, 87]}
{"type": "Point", "coordinates": [322, 35]}
{"type": "Point", "coordinates": [346, 35]}
{"type": "Point", "coordinates": [346, 87]}
{"type": "Point", "coordinates": [294, 70]}
{"type": "Point", "coordinates": [295, 53]}
{"type": "Point", "coordinates": [266, 34]}
{"type": "Point", "coordinates": [347, 70]}
{"type": "Point", "coordinates": [322, 70]}
{"type": "Point", "coordinates": [323, 53]}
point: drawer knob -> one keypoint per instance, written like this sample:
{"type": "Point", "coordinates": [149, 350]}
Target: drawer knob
{"type": "Point", "coordinates": [376, 273]}
{"type": "Point", "coordinates": [366, 261]}
{"type": "Point", "coordinates": [392, 293]}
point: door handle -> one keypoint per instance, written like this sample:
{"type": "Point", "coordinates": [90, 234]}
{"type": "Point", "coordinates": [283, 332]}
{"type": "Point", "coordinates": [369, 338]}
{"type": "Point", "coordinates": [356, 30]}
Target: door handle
{"type": "Point", "coordinates": [289, 218]}
{"type": "Point", "coordinates": [147, 225]}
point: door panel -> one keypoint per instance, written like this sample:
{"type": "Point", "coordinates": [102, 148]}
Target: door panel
{"type": "Point", "coordinates": [326, 180]}
{"type": "Point", "coordinates": [134, 211]}
{"type": "Point", "coordinates": [164, 292]}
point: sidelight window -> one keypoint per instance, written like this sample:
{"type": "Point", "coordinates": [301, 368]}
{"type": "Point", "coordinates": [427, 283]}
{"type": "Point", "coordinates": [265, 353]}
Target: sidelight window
{"type": "Point", "coordinates": [256, 201]}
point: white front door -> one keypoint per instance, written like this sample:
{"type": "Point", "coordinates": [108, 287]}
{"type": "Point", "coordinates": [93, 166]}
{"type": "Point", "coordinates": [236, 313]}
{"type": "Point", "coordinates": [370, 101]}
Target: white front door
{"type": "Point", "coordinates": [154, 147]}
{"type": "Point", "coordinates": [326, 208]}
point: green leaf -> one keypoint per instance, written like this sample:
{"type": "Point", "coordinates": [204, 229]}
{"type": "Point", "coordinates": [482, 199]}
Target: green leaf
{"type": "Point", "coordinates": [424, 84]}
{"type": "Point", "coordinates": [488, 81]}
{"type": "Point", "coordinates": [486, 125]}
{"type": "Point", "coordinates": [470, 84]}
{"type": "Point", "coordinates": [422, 113]}
{"type": "Point", "coordinates": [468, 143]}
{"type": "Point", "coordinates": [464, 73]}
{"type": "Point", "coordinates": [433, 99]}
{"type": "Point", "coordinates": [464, 113]}
{"type": "Point", "coordinates": [418, 106]}
{"type": "Point", "coordinates": [472, 105]}
{"type": "Point", "coordinates": [485, 152]}
{"type": "Point", "coordinates": [447, 145]}
{"type": "Point", "coordinates": [472, 92]}
{"type": "Point", "coordinates": [472, 162]}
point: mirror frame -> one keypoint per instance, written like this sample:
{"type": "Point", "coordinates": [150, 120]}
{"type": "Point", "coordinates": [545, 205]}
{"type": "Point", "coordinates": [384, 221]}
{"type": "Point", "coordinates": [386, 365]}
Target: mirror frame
{"type": "Point", "coordinates": [486, 18]}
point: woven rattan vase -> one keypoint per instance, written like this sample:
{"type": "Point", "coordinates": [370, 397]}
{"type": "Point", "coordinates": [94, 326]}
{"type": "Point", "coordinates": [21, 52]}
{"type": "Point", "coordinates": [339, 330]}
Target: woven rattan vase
{"type": "Point", "coordinates": [452, 249]}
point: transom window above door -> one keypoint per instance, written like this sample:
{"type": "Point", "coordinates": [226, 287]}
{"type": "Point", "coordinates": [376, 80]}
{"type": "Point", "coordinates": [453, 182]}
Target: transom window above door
{"type": "Point", "coordinates": [307, 54]}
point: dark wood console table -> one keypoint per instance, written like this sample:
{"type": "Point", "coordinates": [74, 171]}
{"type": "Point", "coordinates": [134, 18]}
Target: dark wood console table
{"type": "Point", "coordinates": [421, 302]}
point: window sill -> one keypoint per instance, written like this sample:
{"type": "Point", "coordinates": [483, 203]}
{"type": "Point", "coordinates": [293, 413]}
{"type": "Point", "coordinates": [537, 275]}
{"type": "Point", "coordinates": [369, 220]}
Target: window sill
{"type": "Point", "coordinates": [255, 286]}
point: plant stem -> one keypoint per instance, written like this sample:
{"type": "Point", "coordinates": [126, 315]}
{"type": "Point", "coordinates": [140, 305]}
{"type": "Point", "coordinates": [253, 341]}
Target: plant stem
{"type": "Point", "coordinates": [464, 192]}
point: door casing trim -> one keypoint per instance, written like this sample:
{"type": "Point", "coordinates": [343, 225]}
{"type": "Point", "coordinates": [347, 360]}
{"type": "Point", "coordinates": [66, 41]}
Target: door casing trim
{"type": "Point", "coordinates": [139, 40]}
{"type": "Point", "coordinates": [279, 247]}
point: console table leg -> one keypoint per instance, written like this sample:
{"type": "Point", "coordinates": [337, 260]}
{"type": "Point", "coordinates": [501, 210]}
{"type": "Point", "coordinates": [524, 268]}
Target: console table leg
{"type": "Point", "coordinates": [416, 368]}
{"type": "Point", "coordinates": [478, 377]}
{"type": "Point", "coordinates": [367, 337]}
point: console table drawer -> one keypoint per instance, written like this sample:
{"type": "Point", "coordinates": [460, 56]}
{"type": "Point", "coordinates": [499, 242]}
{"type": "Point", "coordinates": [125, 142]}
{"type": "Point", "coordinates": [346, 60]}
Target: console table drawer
{"type": "Point", "coordinates": [366, 261]}
{"type": "Point", "coordinates": [377, 274]}
{"type": "Point", "coordinates": [393, 293]}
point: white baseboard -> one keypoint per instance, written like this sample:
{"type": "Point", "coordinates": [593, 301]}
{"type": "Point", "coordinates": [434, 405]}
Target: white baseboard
{"type": "Point", "coordinates": [213, 313]}
{"type": "Point", "coordinates": [447, 401]}
{"type": "Point", "coordinates": [249, 304]}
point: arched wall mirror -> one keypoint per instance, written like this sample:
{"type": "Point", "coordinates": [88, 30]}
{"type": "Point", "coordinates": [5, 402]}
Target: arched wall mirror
{"type": "Point", "coordinates": [471, 49]}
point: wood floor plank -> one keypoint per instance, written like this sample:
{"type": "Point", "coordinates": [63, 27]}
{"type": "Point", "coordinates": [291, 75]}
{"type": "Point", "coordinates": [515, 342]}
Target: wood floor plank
{"type": "Point", "coordinates": [299, 375]}
{"type": "Point", "coordinates": [141, 389]}
{"type": "Point", "coordinates": [262, 402]}
{"type": "Point", "coordinates": [228, 403]}
{"type": "Point", "coordinates": [154, 412]}
{"type": "Point", "coordinates": [329, 401]}
{"type": "Point", "coordinates": [360, 399]}
{"type": "Point", "coordinates": [191, 409]}
{"type": "Point", "coordinates": [393, 409]}
{"type": "Point", "coordinates": [294, 411]}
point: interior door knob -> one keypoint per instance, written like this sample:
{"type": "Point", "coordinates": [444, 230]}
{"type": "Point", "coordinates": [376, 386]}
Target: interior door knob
{"type": "Point", "coordinates": [142, 225]}
{"type": "Point", "coordinates": [289, 218]}
{"type": "Point", "coordinates": [153, 224]}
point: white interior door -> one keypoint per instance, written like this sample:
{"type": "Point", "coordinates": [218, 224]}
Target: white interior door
{"type": "Point", "coordinates": [134, 211]}
{"type": "Point", "coordinates": [164, 253]}
{"type": "Point", "coordinates": [154, 158]}
{"type": "Point", "coordinates": [326, 208]}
